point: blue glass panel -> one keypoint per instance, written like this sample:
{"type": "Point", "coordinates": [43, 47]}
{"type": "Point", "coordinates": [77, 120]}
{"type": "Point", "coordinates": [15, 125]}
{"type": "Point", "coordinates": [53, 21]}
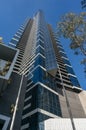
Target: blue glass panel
{"type": "Point", "coordinates": [12, 45]}
{"type": "Point", "coordinates": [40, 43]}
{"type": "Point", "coordinates": [61, 49]}
{"type": "Point", "coordinates": [74, 81]}
{"type": "Point", "coordinates": [38, 73]}
{"type": "Point", "coordinates": [40, 61]}
{"type": "Point", "coordinates": [40, 37]}
{"type": "Point", "coordinates": [66, 62]}
{"type": "Point", "coordinates": [48, 101]}
{"type": "Point", "coordinates": [20, 31]}
{"type": "Point", "coordinates": [40, 50]}
{"type": "Point", "coordinates": [70, 70]}
{"type": "Point", "coordinates": [16, 37]}
{"type": "Point", "coordinates": [63, 54]}
{"type": "Point", "coordinates": [13, 41]}
{"type": "Point", "coordinates": [18, 34]}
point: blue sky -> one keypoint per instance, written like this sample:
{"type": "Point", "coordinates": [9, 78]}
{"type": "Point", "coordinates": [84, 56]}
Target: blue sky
{"type": "Point", "coordinates": [14, 12]}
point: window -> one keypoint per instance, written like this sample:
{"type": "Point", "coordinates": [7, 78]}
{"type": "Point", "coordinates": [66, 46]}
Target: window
{"type": "Point", "coordinates": [40, 50]}
{"type": "Point", "coordinates": [74, 81]}
{"type": "Point", "coordinates": [40, 61]}
{"type": "Point", "coordinates": [4, 121]}
{"type": "Point", "coordinates": [14, 41]}
{"type": "Point", "coordinates": [70, 70]}
{"type": "Point", "coordinates": [63, 54]}
{"type": "Point", "coordinates": [40, 42]}
{"type": "Point", "coordinates": [38, 73]}
{"type": "Point", "coordinates": [48, 101]}
{"type": "Point", "coordinates": [66, 62]}
{"type": "Point", "coordinates": [1, 124]}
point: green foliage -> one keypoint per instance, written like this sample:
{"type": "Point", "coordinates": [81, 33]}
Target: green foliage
{"type": "Point", "coordinates": [73, 27]}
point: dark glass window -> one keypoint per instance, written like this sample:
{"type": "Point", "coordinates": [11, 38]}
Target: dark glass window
{"type": "Point", "coordinates": [33, 100]}
{"type": "Point", "coordinates": [42, 117]}
{"type": "Point", "coordinates": [25, 121]}
{"type": "Point", "coordinates": [66, 62]}
{"type": "Point", "coordinates": [38, 73]}
{"type": "Point", "coordinates": [27, 102]}
{"type": "Point", "coordinates": [48, 101]}
{"type": "Point", "coordinates": [63, 54]}
{"type": "Point", "coordinates": [70, 70]}
{"type": "Point", "coordinates": [1, 124]}
{"type": "Point", "coordinates": [40, 33]}
{"type": "Point", "coordinates": [61, 49]}
{"type": "Point", "coordinates": [40, 37]}
{"type": "Point", "coordinates": [16, 37]}
{"type": "Point", "coordinates": [12, 45]}
{"type": "Point", "coordinates": [39, 42]}
{"type": "Point", "coordinates": [14, 41]}
{"type": "Point", "coordinates": [40, 50]}
{"type": "Point", "coordinates": [20, 31]}
{"type": "Point", "coordinates": [32, 120]}
{"type": "Point", "coordinates": [40, 61]}
{"type": "Point", "coordinates": [18, 34]}
{"type": "Point", "coordinates": [74, 81]}
{"type": "Point", "coordinates": [44, 99]}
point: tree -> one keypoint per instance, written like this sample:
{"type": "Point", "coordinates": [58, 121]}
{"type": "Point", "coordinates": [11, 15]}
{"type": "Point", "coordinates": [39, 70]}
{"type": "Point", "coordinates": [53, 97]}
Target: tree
{"type": "Point", "coordinates": [73, 27]}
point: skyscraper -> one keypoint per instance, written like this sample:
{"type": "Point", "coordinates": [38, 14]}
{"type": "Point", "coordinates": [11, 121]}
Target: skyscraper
{"type": "Point", "coordinates": [42, 84]}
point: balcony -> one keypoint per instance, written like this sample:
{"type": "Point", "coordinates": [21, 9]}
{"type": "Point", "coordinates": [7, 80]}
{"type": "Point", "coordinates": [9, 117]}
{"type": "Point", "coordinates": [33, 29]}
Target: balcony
{"type": "Point", "coordinates": [8, 58]}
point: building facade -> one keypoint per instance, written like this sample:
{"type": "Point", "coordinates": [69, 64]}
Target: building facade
{"type": "Point", "coordinates": [43, 84]}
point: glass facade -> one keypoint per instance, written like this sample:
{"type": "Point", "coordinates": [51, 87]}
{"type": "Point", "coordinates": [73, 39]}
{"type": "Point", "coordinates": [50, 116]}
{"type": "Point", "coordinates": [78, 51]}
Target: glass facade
{"type": "Point", "coordinates": [44, 36]}
{"type": "Point", "coordinates": [41, 86]}
{"type": "Point", "coordinates": [43, 60]}
{"type": "Point", "coordinates": [42, 83]}
{"type": "Point", "coordinates": [14, 41]}
{"type": "Point", "coordinates": [74, 81]}
{"type": "Point", "coordinates": [43, 99]}
{"type": "Point", "coordinates": [70, 70]}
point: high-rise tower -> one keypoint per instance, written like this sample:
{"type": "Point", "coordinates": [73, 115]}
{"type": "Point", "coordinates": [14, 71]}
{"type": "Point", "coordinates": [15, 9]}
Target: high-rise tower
{"type": "Point", "coordinates": [42, 84]}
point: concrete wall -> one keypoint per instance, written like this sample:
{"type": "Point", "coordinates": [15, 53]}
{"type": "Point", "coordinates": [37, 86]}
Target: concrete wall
{"type": "Point", "coordinates": [74, 104]}
{"type": "Point", "coordinates": [82, 97]}
{"type": "Point", "coordinates": [63, 105]}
